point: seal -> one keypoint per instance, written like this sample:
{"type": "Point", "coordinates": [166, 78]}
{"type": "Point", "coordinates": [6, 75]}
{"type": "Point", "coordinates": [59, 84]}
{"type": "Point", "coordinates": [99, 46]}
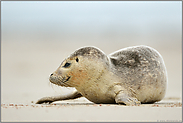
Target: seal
{"type": "Point", "coordinates": [129, 76]}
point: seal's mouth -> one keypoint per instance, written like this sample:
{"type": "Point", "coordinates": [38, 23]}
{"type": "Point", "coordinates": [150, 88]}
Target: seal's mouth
{"type": "Point", "coordinates": [66, 79]}
{"type": "Point", "coordinates": [60, 80]}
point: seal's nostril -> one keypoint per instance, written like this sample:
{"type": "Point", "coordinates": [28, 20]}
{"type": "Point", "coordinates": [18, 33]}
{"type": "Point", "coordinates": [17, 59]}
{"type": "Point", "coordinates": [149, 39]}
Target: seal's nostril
{"type": "Point", "coordinates": [51, 74]}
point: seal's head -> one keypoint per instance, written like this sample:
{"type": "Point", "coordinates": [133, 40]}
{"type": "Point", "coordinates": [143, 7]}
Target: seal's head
{"type": "Point", "coordinates": [84, 65]}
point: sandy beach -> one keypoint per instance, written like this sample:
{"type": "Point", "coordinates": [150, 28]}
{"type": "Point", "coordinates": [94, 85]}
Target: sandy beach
{"type": "Point", "coordinates": [25, 80]}
{"type": "Point", "coordinates": [168, 110]}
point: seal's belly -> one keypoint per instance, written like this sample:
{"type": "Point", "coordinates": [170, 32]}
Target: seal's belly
{"type": "Point", "coordinates": [94, 97]}
{"type": "Point", "coordinates": [98, 95]}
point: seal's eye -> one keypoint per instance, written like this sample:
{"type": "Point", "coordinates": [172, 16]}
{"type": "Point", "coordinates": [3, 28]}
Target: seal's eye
{"type": "Point", "coordinates": [67, 65]}
{"type": "Point", "coordinates": [77, 60]}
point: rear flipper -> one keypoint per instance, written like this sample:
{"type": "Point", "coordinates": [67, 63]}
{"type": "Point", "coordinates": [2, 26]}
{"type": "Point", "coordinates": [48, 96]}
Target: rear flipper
{"type": "Point", "coordinates": [49, 100]}
{"type": "Point", "coordinates": [122, 98]}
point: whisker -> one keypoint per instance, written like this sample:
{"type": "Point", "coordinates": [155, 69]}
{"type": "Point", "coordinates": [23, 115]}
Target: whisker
{"type": "Point", "coordinates": [51, 84]}
{"type": "Point", "coordinates": [64, 81]}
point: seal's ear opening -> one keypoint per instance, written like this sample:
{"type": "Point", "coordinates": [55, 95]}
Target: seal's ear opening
{"type": "Point", "coordinates": [77, 60]}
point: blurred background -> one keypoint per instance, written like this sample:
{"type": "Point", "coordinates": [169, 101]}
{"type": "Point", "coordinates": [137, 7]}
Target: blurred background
{"type": "Point", "coordinates": [37, 36]}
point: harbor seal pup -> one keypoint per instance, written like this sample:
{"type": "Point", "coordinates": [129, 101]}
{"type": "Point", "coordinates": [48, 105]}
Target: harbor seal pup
{"type": "Point", "coordinates": [130, 76]}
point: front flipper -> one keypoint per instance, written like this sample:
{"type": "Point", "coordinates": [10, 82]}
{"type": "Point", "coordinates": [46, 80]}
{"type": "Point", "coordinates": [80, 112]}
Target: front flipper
{"type": "Point", "coordinates": [122, 98]}
{"type": "Point", "coordinates": [49, 100]}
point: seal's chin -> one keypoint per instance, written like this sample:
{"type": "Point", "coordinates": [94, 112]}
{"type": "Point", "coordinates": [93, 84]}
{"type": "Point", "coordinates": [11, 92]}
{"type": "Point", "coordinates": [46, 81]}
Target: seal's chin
{"type": "Point", "coordinates": [60, 81]}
